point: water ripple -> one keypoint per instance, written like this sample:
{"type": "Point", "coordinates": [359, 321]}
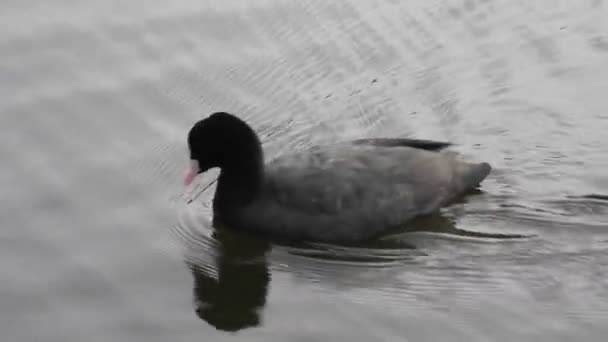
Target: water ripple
{"type": "Point", "coordinates": [96, 98]}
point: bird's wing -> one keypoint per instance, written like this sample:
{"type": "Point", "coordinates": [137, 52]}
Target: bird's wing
{"type": "Point", "coordinates": [429, 145]}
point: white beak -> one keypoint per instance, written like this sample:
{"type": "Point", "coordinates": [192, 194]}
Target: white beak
{"type": "Point", "coordinates": [191, 172]}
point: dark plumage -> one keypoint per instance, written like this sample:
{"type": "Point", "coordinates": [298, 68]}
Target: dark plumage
{"type": "Point", "coordinates": [344, 192]}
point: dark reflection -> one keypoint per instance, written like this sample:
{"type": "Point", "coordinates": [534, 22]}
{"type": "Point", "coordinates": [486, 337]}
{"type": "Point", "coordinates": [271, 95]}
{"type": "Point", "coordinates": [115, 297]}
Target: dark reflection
{"type": "Point", "coordinates": [230, 291]}
{"type": "Point", "coordinates": [234, 299]}
{"type": "Point", "coordinates": [600, 197]}
{"type": "Point", "coordinates": [442, 224]}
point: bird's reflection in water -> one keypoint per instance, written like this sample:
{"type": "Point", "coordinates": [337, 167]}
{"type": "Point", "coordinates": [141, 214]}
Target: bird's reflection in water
{"type": "Point", "coordinates": [234, 298]}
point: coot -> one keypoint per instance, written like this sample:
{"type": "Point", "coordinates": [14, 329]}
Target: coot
{"type": "Point", "coordinates": [338, 193]}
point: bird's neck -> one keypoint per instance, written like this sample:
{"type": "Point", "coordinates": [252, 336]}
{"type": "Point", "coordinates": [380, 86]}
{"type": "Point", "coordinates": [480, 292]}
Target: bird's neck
{"type": "Point", "coordinates": [239, 183]}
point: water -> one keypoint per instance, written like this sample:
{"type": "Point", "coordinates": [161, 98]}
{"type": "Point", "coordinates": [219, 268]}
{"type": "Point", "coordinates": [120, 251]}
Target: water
{"type": "Point", "coordinates": [98, 244]}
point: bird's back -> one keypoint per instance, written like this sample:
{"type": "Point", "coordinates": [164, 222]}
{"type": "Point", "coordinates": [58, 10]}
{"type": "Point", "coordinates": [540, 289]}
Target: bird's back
{"type": "Point", "coordinates": [350, 192]}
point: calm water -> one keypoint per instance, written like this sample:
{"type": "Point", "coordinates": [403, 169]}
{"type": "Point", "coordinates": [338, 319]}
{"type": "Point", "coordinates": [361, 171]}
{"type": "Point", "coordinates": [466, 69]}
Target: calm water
{"type": "Point", "coordinates": [98, 244]}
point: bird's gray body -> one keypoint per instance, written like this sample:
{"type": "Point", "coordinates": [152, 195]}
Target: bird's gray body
{"type": "Point", "coordinates": [355, 191]}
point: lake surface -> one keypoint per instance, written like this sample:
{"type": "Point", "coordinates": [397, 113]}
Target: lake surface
{"type": "Point", "coordinates": [97, 241]}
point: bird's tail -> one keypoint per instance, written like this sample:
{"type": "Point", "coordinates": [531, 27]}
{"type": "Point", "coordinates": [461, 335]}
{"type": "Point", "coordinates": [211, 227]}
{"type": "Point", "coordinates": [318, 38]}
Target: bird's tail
{"type": "Point", "coordinates": [474, 174]}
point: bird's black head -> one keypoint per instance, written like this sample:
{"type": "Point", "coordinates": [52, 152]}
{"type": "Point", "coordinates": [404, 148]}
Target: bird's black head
{"type": "Point", "coordinates": [222, 140]}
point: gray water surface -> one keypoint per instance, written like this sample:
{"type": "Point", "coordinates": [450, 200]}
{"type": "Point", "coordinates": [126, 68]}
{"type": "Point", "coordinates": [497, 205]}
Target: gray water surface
{"type": "Point", "coordinates": [97, 241]}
